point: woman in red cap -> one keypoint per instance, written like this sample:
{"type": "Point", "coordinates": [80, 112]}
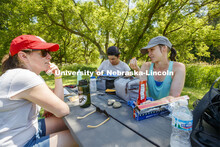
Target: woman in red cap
{"type": "Point", "coordinates": [22, 92]}
{"type": "Point", "coordinates": [164, 76]}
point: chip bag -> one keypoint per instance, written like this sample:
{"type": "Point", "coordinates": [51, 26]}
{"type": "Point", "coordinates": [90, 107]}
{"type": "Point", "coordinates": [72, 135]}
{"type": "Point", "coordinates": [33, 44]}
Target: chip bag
{"type": "Point", "coordinates": [142, 92]}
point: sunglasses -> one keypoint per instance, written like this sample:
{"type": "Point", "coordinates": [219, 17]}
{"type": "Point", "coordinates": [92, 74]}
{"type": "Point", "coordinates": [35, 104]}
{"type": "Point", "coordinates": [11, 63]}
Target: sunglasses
{"type": "Point", "coordinates": [43, 52]}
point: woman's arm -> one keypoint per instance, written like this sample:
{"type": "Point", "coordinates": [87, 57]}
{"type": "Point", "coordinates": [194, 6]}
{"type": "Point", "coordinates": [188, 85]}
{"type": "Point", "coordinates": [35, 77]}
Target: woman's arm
{"type": "Point", "coordinates": [134, 65]}
{"type": "Point", "coordinates": [58, 90]}
{"type": "Point", "coordinates": [144, 68]}
{"type": "Point", "coordinates": [44, 97]}
{"type": "Point", "coordinates": [137, 70]}
{"type": "Point", "coordinates": [178, 79]}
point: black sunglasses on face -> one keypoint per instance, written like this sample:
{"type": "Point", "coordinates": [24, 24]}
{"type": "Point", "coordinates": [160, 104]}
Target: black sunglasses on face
{"type": "Point", "coordinates": [43, 52]}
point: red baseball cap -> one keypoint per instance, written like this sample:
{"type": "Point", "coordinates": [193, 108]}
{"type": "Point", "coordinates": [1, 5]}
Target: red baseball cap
{"type": "Point", "coordinates": [30, 42]}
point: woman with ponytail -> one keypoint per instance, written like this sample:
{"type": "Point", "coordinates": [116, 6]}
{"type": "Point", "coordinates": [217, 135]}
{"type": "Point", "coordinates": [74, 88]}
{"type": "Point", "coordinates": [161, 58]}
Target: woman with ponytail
{"type": "Point", "coordinates": [165, 77]}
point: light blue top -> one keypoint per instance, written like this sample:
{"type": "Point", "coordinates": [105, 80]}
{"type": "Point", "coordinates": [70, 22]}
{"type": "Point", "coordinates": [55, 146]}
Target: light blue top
{"type": "Point", "coordinates": [163, 90]}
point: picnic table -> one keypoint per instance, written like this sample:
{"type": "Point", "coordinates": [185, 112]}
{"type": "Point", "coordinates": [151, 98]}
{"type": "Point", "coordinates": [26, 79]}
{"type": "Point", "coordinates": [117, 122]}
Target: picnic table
{"type": "Point", "coordinates": [120, 130]}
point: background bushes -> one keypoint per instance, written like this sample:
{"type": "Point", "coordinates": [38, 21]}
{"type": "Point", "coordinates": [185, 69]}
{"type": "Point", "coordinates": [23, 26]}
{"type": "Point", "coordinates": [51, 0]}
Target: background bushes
{"type": "Point", "coordinates": [201, 75]}
{"type": "Point", "coordinates": [76, 67]}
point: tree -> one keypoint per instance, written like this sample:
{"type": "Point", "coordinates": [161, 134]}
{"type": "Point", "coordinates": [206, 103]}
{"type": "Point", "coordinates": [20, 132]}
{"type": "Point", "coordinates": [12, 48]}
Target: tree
{"type": "Point", "coordinates": [90, 27]}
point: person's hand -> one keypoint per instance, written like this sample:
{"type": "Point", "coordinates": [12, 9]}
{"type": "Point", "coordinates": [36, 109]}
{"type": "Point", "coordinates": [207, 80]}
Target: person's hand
{"type": "Point", "coordinates": [133, 64]}
{"type": "Point", "coordinates": [53, 69]}
{"type": "Point", "coordinates": [167, 99]}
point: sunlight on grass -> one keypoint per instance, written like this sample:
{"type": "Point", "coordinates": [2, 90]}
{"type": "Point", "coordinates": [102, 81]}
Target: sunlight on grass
{"type": "Point", "coordinates": [194, 93]}
{"type": "Point", "coordinates": [41, 113]}
{"type": "Point", "coordinates": [67, 80]}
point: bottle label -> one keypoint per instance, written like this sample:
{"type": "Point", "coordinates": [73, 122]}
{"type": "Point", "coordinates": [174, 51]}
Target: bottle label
{"type": "Point", "coordinates": [82, 100]}
{"type": "Point", "coordinates": [182, 124]}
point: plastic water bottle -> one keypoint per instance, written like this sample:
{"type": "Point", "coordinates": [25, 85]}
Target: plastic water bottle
{"type": "Point", "coordinates": [79, 76]}
{"type": "Point", "coordinates": [93, 86]}
{"type": "Point", "coordinates": [181, 125]}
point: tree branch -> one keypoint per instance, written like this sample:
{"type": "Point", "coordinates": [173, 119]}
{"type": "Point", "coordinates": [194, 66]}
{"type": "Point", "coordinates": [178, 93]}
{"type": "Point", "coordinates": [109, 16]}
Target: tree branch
{"type": "Point", "coordinates": [82, 19]}
{"type": "Point", "coordinates": [123, 24]}
{"type": "Point", "coordinates": [76, 32]}
{"type": "Point", "coordinates": [99, 3]}
{"type": "Point", "coordinates": [199, 6]}
{"type": "Point", "coordinates": [173, 17]}
{"type": "Point", "coordinates": [174, 14]}
{"type": "Point", "coordinates": [162, 5]}
{"type": "Point", "coordinates": [186, 40]}
{"type": "Point", "coordinates": [173, 30]}
{"type": "Point", "coordinates": [107, 41]}
{"type": "Point", "coordinates": [150, 15]}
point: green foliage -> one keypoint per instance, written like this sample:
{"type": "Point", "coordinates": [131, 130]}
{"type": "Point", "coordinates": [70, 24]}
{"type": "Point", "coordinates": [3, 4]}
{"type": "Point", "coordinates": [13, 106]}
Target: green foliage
{"type": "Point", "coordinates": [85, 29]}
{"type": "Point", "coordinates": [67, 80]}
{"type": "Point", "coordinates": [199, 76]}
{"type": "Point", "coordinates": [81, 67]}
{"type": "Point", "coordinates": [41, 114]}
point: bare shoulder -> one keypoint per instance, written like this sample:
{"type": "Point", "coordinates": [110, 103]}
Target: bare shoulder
{"type": "Point", "coordinates": [177, 66]}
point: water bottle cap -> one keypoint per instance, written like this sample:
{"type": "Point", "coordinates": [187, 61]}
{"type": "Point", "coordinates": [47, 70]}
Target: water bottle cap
{"type": "Point", "coordinates": [183, 102]}
{"type": "Point", "coordinates": [93, 77]}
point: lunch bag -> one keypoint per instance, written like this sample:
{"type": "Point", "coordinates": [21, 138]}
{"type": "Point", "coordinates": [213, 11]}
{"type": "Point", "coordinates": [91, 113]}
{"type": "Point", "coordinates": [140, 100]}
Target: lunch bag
{"type": "Point", "coordinates": [105, 82]}
{"type": "Point", "coordinates": [127, 88]}
{"type": "Point", "coordinates": [206, 119]}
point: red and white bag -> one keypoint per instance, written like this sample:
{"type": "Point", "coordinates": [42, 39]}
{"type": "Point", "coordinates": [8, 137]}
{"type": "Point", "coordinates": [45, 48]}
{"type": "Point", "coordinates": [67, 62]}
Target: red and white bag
{"type": "Point", "coordinates": [142, 92]}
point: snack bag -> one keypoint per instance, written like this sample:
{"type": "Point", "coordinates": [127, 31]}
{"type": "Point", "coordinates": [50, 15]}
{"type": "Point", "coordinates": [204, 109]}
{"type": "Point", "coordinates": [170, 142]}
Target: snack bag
{"type": "Point", "coordinates": [142, 92]}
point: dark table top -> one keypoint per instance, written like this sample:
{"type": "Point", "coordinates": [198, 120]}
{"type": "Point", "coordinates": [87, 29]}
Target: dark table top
{"type": "Point", "coordinates": [121, 130]}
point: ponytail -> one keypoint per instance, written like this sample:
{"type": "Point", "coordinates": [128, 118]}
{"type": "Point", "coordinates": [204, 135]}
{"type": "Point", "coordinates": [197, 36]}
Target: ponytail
{"type": "Point", "coordinates": [173, 54]}
{"type": "Point", "coordinates": [9, 62]}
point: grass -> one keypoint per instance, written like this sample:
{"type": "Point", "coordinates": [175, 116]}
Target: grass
{"type": "Point", "coordinates": [67, 80]}
{"type": "Point", "coordinates": [194, 93]}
